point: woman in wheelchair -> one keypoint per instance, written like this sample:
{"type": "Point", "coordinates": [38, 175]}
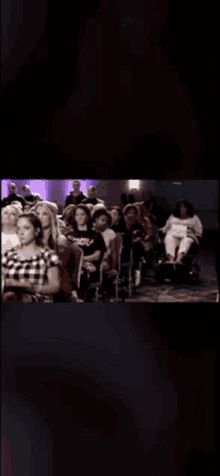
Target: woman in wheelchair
{"type": "Point", "coordinates": [182, 229]}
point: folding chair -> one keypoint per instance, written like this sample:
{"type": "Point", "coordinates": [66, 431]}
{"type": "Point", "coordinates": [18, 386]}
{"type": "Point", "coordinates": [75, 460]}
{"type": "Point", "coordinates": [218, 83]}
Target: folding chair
{"type": "Point", "coordinates": [97, 284]}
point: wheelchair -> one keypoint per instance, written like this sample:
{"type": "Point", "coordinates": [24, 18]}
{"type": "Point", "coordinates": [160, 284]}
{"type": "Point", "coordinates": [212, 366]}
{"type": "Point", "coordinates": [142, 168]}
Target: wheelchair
{"type": "Point", "coordinates": [188, 271]}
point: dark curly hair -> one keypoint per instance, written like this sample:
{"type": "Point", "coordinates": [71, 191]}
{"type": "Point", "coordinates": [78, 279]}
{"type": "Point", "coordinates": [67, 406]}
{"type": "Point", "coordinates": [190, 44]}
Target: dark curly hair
{"type": "Point", "coordinates": [188, 205]}
{"type": "Point", "coordinates": [36, 223]}
{"type": "Point", "coordinates": [86, 210]}
{"type": "Point", "coordinates": [102, 211]}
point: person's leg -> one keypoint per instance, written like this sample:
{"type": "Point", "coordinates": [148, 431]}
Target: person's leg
{"type": "Point", "coordinates": [184, 246]}
{"type": "Point", "coordinates": [170, 246]}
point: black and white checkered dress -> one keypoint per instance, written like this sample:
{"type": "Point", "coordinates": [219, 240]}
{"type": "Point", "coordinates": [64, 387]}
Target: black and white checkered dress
{"type": "Point", "coordinates": [34, 269]}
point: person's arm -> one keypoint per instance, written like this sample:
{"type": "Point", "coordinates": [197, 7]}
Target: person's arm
{"type": "Point", "coordinates": [167, 225]}
{"type": "Point", "coordinates": [94, 257]}
{"type": "Point", "coordinates": [51, 287]}
{"type": "Point", "coordinates": [198, 227]}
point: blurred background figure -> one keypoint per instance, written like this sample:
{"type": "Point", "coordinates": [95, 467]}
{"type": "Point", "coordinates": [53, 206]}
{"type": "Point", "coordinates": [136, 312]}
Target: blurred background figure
{"type": "Point", "coordinates": [124, 200]}
{"type": "Point", "coordinates": [29, 197]}
{"type": "Point", "coordinates": [12, 196]}
{"type": "Point", "coordinates": [91, 196]}
{"type": "Point", "coordinates": [9, 219]}
{"type": "Point", "coordinates": [75, 197]}
{"type": "Point", "coordinates": [131, 199]}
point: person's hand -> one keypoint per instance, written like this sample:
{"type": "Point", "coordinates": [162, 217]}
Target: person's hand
{"type": "Point", "coordinates": [27, 285]}
{"type": "Point", "coordinates": [190, 231]}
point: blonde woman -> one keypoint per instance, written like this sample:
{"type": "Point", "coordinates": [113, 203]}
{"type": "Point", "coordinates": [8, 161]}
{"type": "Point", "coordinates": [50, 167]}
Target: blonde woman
{"type": "Point", "coordinates": [70, 255]}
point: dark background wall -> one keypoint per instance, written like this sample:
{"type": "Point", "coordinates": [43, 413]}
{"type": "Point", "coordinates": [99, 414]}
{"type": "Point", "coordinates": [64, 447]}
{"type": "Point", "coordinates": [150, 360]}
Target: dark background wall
{"type": "Point", "coordinates": [110, 80]}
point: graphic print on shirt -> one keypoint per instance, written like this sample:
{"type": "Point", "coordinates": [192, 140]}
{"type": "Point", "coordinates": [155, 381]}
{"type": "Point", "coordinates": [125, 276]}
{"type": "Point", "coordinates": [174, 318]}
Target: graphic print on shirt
{"type": "Point", "coordinates": [82, 241]}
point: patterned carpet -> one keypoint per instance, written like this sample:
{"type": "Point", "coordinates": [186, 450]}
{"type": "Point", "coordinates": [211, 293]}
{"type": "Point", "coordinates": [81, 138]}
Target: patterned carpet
{"type": "Point", "coordinates": [205, 291]}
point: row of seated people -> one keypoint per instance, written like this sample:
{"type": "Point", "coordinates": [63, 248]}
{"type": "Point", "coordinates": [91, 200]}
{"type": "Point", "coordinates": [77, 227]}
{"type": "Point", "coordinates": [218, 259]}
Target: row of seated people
{"type": "Point", "coordinates": [56, 259]}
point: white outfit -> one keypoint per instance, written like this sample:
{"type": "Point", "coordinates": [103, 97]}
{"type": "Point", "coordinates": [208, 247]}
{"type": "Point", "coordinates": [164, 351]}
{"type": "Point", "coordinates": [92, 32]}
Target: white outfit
{"type": "Point", "coordinates": [108, 236]}
{"type": "Point", "coordinates": [8, 241]}
{"type": "Point", "coordinates": [176, 233]}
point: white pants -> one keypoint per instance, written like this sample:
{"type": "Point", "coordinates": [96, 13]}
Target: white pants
{"type": "Point", "coordinates": [171, 244]}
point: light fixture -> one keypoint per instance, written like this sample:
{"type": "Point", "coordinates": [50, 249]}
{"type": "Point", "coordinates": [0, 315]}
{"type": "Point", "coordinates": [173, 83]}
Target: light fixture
{"type": "Point", "coordinates": [134, 184]}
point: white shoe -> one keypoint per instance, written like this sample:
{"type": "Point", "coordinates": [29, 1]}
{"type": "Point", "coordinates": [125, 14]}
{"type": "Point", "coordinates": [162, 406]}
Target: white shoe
{"type": "Point", "coordinates": [137, 278]}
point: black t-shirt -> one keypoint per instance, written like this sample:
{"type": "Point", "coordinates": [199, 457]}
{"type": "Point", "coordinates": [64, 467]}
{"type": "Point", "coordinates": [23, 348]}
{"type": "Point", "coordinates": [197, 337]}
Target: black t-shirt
{"type": "Point", "coordinates": [72, 200]}
{"type": "Point", "coordinates": [93, 201]}
{"type": "Point", "coordinates": [12, 198]}
{"type": "Point", "coordinates": [90, 241]}
{"type": "Point", "coordinates": [30, 198]}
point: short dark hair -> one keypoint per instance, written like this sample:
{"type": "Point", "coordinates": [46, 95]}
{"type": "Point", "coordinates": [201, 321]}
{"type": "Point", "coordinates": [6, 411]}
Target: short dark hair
{"type": "Point", "coordinates": [36, 223]}
{"type": "Point", "coordinates": [86, 210]}
{"type": "Point", "coordinates": [188, 205]}
{"type": "Point", "coordinates": [99, 212]}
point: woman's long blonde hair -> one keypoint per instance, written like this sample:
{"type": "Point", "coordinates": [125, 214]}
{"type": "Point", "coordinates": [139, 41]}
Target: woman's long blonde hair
{"type": "Point", "coordinates": [56, 237]}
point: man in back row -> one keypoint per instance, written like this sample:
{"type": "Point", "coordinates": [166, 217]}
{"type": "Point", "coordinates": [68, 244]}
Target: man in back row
{"type": "Point", "coordinates": [91, 198]}
{"type": "Point", "coordinates": [28, 196]}
{"type": "Point", "coordinates": [12, 197]}
{"type": "Point", "coordinates": [75, 197]}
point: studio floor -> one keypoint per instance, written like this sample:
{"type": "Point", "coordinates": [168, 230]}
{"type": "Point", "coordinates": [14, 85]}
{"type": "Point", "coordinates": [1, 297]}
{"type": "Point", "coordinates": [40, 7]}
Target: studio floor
{"type": "Point", "coordinates": [205, 291]}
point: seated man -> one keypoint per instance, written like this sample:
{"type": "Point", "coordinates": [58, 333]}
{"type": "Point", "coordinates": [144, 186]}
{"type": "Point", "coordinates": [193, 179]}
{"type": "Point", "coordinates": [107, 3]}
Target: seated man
{"type": "Point", "coordinates": [75, 197]}
{"type": "Point", "coordinates": [28, 195]}
{"type": "Point", "coordinates": [181, 230]}
{"type": "Point", "coordinates": [91, 198]}
{"type": "Point", "coordinates": [12, 197]}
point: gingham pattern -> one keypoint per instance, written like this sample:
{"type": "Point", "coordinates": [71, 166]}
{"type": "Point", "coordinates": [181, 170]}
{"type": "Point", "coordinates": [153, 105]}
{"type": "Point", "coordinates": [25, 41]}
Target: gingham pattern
{"type": "Point", "coordinates": [33, 269]}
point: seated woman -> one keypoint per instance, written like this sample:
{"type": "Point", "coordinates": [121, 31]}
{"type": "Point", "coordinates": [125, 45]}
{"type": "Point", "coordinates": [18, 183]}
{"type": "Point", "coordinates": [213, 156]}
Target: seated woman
{"type": "Point", "coordinates": [68, 217]}
{"type": "Point", "coordinates": [149, 223]}
{"type": "Point", "coordinates": [9, 238]}
{"type": "Point", "coordinates": [92, 244]}
{"type": "Point", "coordinates": [70, 256]}
{"type": "Point", "coordinates": [118, 225]}
{"type": "Point", "coordinates": [101, 221]}
{"type": "Point", "coordinates": [182, 228]}
{"type": "Point", "coordinates": [139, 237]}
{"type": "Point", "coordinates": [30, 271]}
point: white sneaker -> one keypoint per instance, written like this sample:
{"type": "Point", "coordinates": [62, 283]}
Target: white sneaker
{"type": "Point", "coordinates": [137, 277]}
